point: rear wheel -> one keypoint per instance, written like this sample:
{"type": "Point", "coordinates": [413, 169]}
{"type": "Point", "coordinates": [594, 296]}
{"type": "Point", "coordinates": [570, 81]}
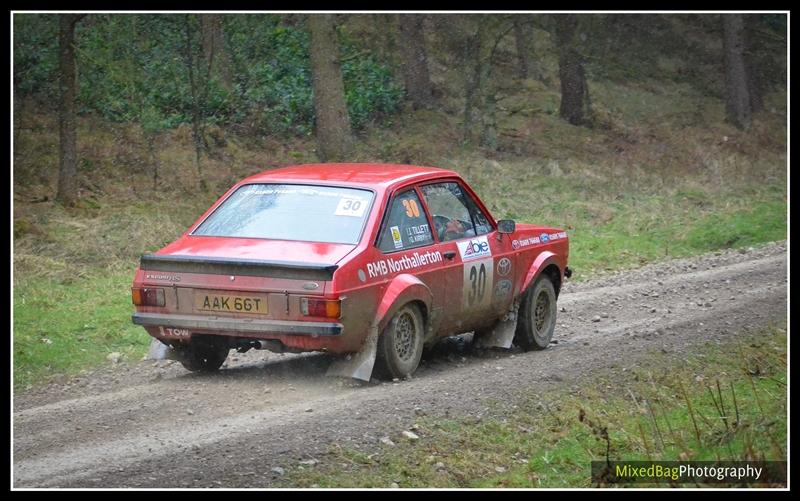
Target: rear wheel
{"type": "Point", "coordinates": [205, 355]}
{"type": "Point", "coordinates": [537, 315]}
{"type": "Point", "coordinates": [400, 344]}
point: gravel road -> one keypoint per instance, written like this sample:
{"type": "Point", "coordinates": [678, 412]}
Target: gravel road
{"type": "Point", "coordinates": [152, 424]}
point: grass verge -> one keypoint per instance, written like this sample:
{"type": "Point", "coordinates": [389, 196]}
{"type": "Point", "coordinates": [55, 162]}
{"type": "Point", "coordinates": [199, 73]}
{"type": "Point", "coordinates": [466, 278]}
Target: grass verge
{"type": "Point", "coordinates": [726, 402]}
{"type": "Point", "coordinates": [60, 329]}
{"type": "Point", "coordinates": [617, 224]}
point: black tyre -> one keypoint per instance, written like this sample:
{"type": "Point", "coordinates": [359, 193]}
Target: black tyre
{"type": "Point", "coordinates": [204, 355]}
{"type": "Point", "coordinates": [400, 344]}
{"type": "Point", "coordinates": [537, 315]}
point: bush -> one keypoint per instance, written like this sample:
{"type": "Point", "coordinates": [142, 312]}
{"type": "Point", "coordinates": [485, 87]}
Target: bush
{"type": "Point", "coordinates": [36, 54]}
{"type": "Point", "coordinates": [134, 68]}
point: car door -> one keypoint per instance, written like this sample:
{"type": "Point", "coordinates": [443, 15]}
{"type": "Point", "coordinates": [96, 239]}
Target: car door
{"type": "Point", "coordinates": [405, 244]}
{"type": "Point", "coordinates": [467, 240]}
{"type": "Point", "coordinates": [501, 279]}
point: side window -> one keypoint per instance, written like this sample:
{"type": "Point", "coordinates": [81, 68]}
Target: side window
{"type": "Point", "coordinates": [482, 225]}
{"type": "Point", "coordinates": [406, 227]}
{"type": "Point", "coordinates": [455, 215]}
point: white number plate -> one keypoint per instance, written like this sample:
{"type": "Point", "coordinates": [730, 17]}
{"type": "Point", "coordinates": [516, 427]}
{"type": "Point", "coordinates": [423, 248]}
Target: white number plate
{"type": "Point", "coordinates": [478, 282]}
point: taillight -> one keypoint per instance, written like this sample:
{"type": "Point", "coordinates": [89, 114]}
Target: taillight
{"type": "Point", "coordinates": [148, 296]}
{"type": "Point", "coordinates": [330, 308]}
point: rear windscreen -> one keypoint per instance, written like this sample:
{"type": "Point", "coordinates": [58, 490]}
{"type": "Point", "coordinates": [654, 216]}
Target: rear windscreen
{"type": "Point", "coordinates": [291, 212]}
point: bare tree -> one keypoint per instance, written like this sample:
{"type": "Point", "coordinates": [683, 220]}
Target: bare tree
{"type": "Point", "coordinates": [471, 64]}
{"type": "Point", "coordinates": [199, 64]}
{"type": "Point", "coordinates": [332, 123]}
{"type": "Point", "coordinates": [737, 97]}
{"type": "Point", "coordinates": [197, 122]}
{"type": "Point", "coordinates": [479, 39]}
{"type": "Point", "coordinates": [415, 60]}
{"type": "Point", "coordinates": [388, 43]}
{"type": "Point", "coordinates": [523, 36]}
{"type": "Point", "coordinates": [574, 91]}
{"type": "Point", "coordinates": [755, 76]}
{"type": "Point", "coordinates": [489, 88]}
{"type": "Point", "coordinates": [215, 55]}
{"type": "Point", "coordinates": [67, 192]}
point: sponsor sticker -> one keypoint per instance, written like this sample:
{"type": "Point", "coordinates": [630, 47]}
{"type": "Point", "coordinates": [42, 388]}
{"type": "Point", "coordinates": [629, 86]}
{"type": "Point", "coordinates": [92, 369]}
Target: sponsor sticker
{"type": "Point", "coordinates": [502, 289]}
{"type": "Point", "coordinates": [405, 262]}
{"type": "Point", "coordinates": [253, 189]}
{"type": "Point", "coordinates": [353, 207]}
{"type": "Point", "coordinates": [398, 240]}
{"type": "Point", "coordinates": [543, 238]}
{"type": "Point", "coordinates": [503, 267]}
{"type": "Point", "coordinates": [474, 248]}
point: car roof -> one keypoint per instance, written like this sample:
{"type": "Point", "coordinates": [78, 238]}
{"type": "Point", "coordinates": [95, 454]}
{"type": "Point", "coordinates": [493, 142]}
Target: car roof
{"type": "Point", "coordinates": [352, 174]}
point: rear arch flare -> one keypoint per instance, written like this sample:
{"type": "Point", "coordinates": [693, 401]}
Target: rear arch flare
{"type": "Point", "coordinates": [403, 289]}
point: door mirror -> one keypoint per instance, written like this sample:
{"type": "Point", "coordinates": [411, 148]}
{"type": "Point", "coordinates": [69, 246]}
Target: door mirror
{"type": "Point", "coordinates": [506, 226]}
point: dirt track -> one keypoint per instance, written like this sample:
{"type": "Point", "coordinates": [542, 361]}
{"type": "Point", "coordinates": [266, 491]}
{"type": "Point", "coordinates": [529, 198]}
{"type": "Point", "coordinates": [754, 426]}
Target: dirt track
{"type": "Point", "coordinates": [155, 425]}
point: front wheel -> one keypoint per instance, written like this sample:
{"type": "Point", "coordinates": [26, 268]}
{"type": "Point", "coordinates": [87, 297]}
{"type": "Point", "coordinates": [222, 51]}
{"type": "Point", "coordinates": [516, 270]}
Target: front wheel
{"type": "Point", "coordinates": [400, 345]}
{"type": "Point", "coordinates": [537, 315]}
{"type": "Point", "coordinates": [204, 355]}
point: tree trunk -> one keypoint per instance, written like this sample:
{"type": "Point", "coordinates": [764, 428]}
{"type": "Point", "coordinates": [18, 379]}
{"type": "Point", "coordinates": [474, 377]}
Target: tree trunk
{"type": "Point", "coordinates": [388, 25]}
{"type": "Point", "coordinates": [489, 131]}
{"type": "Point", "coordinates": [471, 65]}
{"type": "Point", "coordinates": [215, 56]}
{"type": "Point", "coordinates": [151, 148]}
{"type": "Point", "coordinates": [415, 60]}
{"type": "Point", "coordinates": [480, 88]}
{"type": "Point", "coordinates": [332, 123]}
{"type": "Point", "coordinates": [753, 64]}
{"type": "Point", "coordinates": [737, 100]}
{"type": "Point", "coordinates": [197, 132]}
{"type": "Point", "coordinates": [67, 192]}
{"type": "Point", "coordinates": [574, 91]}
{"type": "Point", "coordinates": [526, 59]}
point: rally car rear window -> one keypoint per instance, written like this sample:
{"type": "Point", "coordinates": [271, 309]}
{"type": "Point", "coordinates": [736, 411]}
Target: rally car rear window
{"type": "Point", "coordinates": [291, 212]}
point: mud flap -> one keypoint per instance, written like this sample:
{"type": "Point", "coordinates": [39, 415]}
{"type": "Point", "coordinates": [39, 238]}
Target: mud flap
{"type": "Point", "coordinates": [502, 335]}
{"type": "Point", "coordinates": [357, 365]}
{"type": "Point", "coordinates": [161, 351]}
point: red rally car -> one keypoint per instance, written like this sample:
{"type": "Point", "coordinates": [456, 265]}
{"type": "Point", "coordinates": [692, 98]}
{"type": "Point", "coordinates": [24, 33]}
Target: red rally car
{"type": "Point", "coordinates": [373, 262]}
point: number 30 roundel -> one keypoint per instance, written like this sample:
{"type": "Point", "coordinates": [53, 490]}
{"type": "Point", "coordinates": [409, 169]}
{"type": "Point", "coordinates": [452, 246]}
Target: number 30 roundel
{"type": "Point", "coordinates": [478, 282]}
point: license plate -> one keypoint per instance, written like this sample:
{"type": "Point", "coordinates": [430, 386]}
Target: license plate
{"type": "Point", "coordinates": [229, 303]}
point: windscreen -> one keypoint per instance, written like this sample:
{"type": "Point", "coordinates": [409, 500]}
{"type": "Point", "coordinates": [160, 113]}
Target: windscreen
{"type": "Point", "coordinates": [291, 212]}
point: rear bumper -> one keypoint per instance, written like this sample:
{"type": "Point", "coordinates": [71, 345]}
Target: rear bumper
{"type": "Point", "coordinates": [217, 324]}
